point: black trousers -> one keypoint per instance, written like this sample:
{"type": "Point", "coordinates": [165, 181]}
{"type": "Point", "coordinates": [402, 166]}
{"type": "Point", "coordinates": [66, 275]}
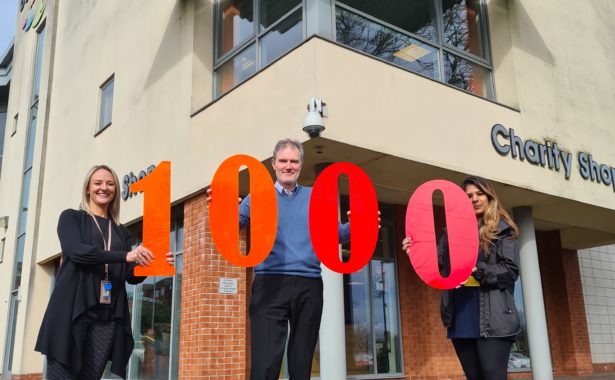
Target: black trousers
{"type": "Point", "coordinates": [96, 349]}
{"type": "Point", "coordinates": [277, 301]}
{"type": "Point", "coordinates": [484, 359]}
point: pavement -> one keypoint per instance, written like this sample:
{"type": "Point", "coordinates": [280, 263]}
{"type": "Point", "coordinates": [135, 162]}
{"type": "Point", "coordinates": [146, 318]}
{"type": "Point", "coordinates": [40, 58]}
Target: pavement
{"type": "Point", "coordinates": [595, 376]}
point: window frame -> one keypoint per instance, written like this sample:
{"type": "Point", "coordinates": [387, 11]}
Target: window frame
{"type": "Point", "coordinates": [99, 125]}
{"type": "Point", "coordinates": [438, 44]}
{"type": "Point", "coordinates": [255, 38]}
{"type": "Point", "coordinates": [389, 223]}
{"type": "Point", "coordinates": [136, 230]}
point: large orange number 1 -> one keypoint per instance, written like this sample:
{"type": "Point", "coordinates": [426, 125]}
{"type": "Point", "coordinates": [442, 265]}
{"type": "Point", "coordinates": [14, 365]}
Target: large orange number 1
{"type": "Point", "coordinates": [156, 187]}
{"type": "Point", "coordinates": [223, 211]}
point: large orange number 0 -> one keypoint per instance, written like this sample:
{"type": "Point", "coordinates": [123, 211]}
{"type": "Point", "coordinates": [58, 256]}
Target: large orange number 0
{"type": "Point", "coordinates": [223, 211]}
{"type": "Point", "coordinates": [324, 217]}
{"type": "Point", "coordinates": [461, 231]}
{"type": "Point", "coordinates": [156, 187]}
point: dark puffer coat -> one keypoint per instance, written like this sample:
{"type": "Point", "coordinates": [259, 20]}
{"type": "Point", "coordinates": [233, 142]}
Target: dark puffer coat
{"type": "Point", "coordinates": [497, 276]}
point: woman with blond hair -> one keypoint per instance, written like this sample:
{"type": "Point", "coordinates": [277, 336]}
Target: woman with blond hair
{"type": "Point", "coordinates": [87, 322]}
{"type": "Point", "coordinates": [480, 315]}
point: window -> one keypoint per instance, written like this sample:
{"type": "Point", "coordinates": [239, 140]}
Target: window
{"type": "Point", "coordinates": [2, 243]}
{"type": "Point", "coordinates": [106, 104]}
{"type": "Point", "coordinates": [445, 40]}
{"type": "Point", "coordinates": [371, 307]}
{"type": "Point", "coordinates": [15, 121]}
{"type": "Point", "coordinates": [154, 311]}
{"type": "Point", "coordinates": [23, 206]}
{"type": "Point", "coordinates": [250, 34]}
{"type": "Point", "coordinates": [519, 359]}
{"type": "Point", "coordinates": [2, 131]}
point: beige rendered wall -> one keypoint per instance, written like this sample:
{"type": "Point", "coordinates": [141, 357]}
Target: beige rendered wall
{"type": "Point", "coordinates": [563, 53]}
{"type": "Point", "coordinates": [163, 74]}
{"type": "Point", "coordinates": [153, 99]}
{"type": "Point", "coordinates": [12, 176]}
{"type": "Point", "coordinates": [149, 50]}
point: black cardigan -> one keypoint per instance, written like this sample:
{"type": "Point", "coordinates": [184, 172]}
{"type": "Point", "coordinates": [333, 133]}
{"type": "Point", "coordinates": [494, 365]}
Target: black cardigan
{"type": "Point", "coordinates": [62, 331]}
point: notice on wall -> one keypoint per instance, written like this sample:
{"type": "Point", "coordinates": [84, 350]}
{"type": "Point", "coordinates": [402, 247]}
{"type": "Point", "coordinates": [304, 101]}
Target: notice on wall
{"type": "Point", "coordinates": [228, 286]}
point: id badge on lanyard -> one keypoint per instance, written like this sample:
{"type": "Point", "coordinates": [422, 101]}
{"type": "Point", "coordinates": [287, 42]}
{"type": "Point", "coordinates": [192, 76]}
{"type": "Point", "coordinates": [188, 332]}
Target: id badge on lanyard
{"type": "Point", "coordinates": [105, 291]}
{"type": "Point", "coordinates": [105, 285]}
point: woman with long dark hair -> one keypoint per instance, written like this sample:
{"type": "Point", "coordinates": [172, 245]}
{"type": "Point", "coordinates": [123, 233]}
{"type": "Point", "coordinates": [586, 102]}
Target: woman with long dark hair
{"type": "Point", "coordinates": [86, 322]}
{"type": "Point", "coordinates": [482, 321]}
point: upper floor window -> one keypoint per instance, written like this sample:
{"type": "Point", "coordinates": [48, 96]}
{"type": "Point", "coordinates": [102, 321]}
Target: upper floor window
{"type": "Point", "coordinates": [106, 104]}
{"type": "Point", "coordinates": [250, 34]}
{"type": "Point", "coordinates": [2, 132]}
{"type": "Point", "coordinates": [445, 40]}
{"type": "Point", "coordinates": [2, 242]}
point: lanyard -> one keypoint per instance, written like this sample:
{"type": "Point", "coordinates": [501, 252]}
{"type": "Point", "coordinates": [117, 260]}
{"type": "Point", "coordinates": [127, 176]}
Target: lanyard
{"type": "Point", "coordinates": [106, 243]}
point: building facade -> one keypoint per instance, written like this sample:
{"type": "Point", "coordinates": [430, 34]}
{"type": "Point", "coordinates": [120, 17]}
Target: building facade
{"type": "Point", "coordinates": [517, 91]}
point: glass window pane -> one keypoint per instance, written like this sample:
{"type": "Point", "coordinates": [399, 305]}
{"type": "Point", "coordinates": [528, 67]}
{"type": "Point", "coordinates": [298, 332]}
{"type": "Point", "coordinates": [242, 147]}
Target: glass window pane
{"type": "Point", "coordinates": [21, 244]}
{"type": "Point", "coordinates": [235, 24]}
{"type": "Point", "coordinates": [2, 130]}
{"type": "Point", "coordinates": [177, 228]}
{"type": "Point", "coordinates": [462, 24]}
{"type": "Point", "coordinates": [519, 358]}
{"type": "Point", "coordinates": [236, 70]}
{"type": "Point", "coordinates": [385, 43]}
{"type": "Point", "coordinates": [25, 197]}
{"type": "Point", "coordinates": [31, 137]}
{"type": "Point", "coordinates": [385, 317]}
{"type": "Point", "coordinates": [272, 10]}
{"type": "Point", "coordinates": [359, 347]}
{"type": "Point", "coordinates": [281, 38]}
{"type": "Point", "coordinates": [177, 294]}
{"type": "Point", "coordinates": [152, 330]}
{"type": "Point", "coordinates": [106, 104]}
{"type": "Point", "coordinates": [13, 323]}
{"type": "Point", "coordinates": [417, 16]}
{"type": "Point", "coordinates": [40, 44]}
{"type": "Point", "coordinates": [466, 75]}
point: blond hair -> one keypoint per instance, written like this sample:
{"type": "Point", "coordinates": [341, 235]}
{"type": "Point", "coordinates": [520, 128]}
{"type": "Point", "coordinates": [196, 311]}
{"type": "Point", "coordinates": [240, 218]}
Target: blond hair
{"type": "Point", "coordinates": [114, 208]}
{"type": "Point", "coordinates": [488, 227]}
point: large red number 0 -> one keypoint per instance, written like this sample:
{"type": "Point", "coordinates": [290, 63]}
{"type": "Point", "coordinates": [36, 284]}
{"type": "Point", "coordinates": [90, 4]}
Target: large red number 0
{"type": "Point", "coordinates": [461, 229]}
{"type": "Point", "coordinates": [223, 211]}
{"type": "Point", "coordinates": [156, 187]}
{"type": "Point", "coordinates": [324, 217]}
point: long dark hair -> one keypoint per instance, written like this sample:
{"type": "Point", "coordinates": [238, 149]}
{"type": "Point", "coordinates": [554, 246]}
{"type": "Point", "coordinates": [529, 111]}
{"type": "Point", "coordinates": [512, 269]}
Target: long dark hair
{"type": "Point", "coordinates": [488, 224]}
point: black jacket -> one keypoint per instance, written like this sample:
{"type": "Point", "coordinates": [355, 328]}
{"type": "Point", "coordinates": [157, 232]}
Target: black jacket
{"type": "Point", "coordinates": [62, 332]}
{"type": "Point", "coordinates": [497, 276]}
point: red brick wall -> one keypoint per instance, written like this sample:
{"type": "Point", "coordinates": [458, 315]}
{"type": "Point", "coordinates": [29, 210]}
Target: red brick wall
{"type": "Point", "coordinates": [213, 338]}
{"type": "Point", "coordinates": [29, 376]}
{"type": "Point", "coordinates": [428, 354]}
{"type": "Point", "coordinates": [564, 306]}
{"type": "Point", "coordinates": [214, 342]}
{"type": "Point", "coordinates": [604, 367]}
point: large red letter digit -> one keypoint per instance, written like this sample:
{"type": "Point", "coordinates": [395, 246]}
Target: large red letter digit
{"type": "Point", "coordinates": [156, 187]}
{"type": "Point", "coordinates": [324, 218]}
{"type": "Point", "coordinates": [223, 211]}
{"type": "Point", "coordinates": [461, 229]}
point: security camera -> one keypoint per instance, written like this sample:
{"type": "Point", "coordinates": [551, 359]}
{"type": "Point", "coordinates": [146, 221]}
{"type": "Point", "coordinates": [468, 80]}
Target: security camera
{"type": "Point", "coordinates": [313, 124]}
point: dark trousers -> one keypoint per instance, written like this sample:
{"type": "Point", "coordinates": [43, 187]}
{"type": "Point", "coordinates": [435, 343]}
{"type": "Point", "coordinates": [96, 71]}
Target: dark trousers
{"type": "Point", "coordinates": [96, 349]}
{"type": "Point", "coordinates": [277, 301]}
{"type": "Point", "coordinates": [484, 359]}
